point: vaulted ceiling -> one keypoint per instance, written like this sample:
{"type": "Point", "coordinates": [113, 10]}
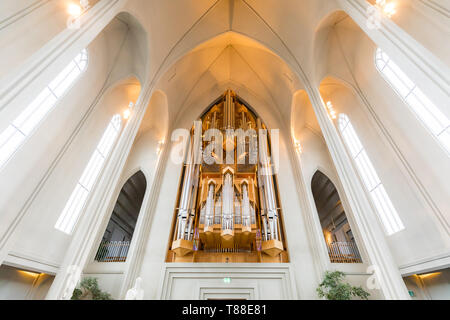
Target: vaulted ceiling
{"type": "Point", "coordinates": [263, 49]}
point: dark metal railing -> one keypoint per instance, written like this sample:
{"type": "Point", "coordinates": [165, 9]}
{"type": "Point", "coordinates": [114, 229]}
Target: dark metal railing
{"type": "Point", "coordinates": [344, 252]}
{"type": "Point", "coordinates": [112, 251]}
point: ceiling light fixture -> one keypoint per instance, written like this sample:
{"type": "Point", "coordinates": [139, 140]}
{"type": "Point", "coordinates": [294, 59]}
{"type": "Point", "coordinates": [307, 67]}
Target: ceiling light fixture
{"type": "Point", "coordinates": [298, 147]}
{"type": "Point", "coordinates": [127, 112]}
{"type": "Point", "coordinates": [160, 147]}
{"type": "Point", "coordinates": [84, 4]}
{"type": "Point", "coordinates": [74, 10]}
{"type": "Point", "coordinates": [331, 111]}
{"type": "Point", "coordinates": [376, 12]}
{"type": "Point", "coordinates": [388, 8]}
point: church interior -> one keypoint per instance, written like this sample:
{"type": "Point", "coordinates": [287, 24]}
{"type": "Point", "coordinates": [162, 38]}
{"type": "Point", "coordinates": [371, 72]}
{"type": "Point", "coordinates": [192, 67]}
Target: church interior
{"type": "Point", "coordinates": [224, 149]}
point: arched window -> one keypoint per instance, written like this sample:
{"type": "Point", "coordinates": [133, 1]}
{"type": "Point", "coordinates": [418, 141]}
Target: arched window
{"type": "Point", "coordinates": [69, 217]}
{"type": "Point", "coordinates": [425, 110]}
{"type": "Point", "coordinates": [23, 126]}
{"type": "Point", "coordinates": [383, 203]}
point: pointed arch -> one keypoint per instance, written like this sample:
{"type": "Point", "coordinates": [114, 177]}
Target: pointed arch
{"type": "Point", "coordinates": [122, 223]}
{"type": "Point", "coordinates": [336, 229]}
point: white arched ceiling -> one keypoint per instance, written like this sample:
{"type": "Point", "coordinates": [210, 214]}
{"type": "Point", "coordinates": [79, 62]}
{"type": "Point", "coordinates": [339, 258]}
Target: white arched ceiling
{"type": "Point", "coordinates": [133, 57]}
{"type": "Point", "coordinates": [326, 47]}
{"type": "Point", "coordinates": [175, 29]}
{"type": "Point", "coordinates": [227, 61]}
{"type": "Point", "coordinates": [303, 116]}
{"type": "Point", "coordinates": [156, 116]}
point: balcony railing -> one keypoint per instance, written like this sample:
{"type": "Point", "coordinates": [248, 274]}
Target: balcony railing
{"type": "Point", "coordinates": [344, 252]}
{"type": "Point", "coordinates": [112, 251]}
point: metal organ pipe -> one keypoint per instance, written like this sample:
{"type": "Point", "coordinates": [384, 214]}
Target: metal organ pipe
{"type": "Point", "coordinates": [237, 211]}
{"type": "Point", "coordinates": [227, 203]}
{"type": "Point", "coordinates": [218, 210]}
{"type": "Point", "coordinates": [267, 183]}
{"type": "Point", "coordinates": [209, 219]}
{"type": "Point", "coordinates": [248, 165]}
{"type": "Point", "coordinates": [186, 210]}
{"type": "Point", "coordinates": [245, 207]}
{"type": "Point", "coordinates": [229, 111]}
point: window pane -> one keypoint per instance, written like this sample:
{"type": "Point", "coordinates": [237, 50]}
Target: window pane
{"type": "Point", "coordinates": [443, 120]}
{"type": "Point", "coordinates": [33, 114]}
{"type": "Point", "coordinates": [107, 140]}
{"type": "Point", "coordinates": [444, 138]}
{"type": "Point", "coordinates": [430, 115]}
{"type": "Point", "coordinates": [72, 209]}
{"type": "Point", "coordinates": [434, 124]}
{"type": "Point", "coordinates": [378, 201]}
{"type": "Point", "coordinates": [40, 99]}
{"type": "Point", "coordinates": [370, 177]}
{"type": "Point", "coordinates": [396, 82]}
{"type": "Point", "coordinates": [10, 139]}
{"type": "Point", "coordinates": [92, 170]}
{"type": "Point", "coordinates": [372, 182]}
{"type": "Point", "coordinates": [71, 213]}
{"type": "Point", "coordinates": [401, 75]}
{"type": "Point", "coordinates": [352, 140]}
{"type": "Point", "coordinates": [65, 79]}
{"type": "Point", "coordinates": [386, 209]}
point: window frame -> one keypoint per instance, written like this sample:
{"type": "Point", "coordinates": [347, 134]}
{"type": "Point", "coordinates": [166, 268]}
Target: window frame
{"type": "Point", "coordinates": [412, 91]}
{"type": "Point", "coordinates": [65, 215]}
{"type": "Point", "coordinates": [46, 98]}
{"type": "Point", "coordinates": [378, 187]}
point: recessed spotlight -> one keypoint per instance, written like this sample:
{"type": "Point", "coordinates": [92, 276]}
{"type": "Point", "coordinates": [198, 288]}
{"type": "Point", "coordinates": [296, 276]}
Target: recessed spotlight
{"type": "Point", "coordinates": [126, 114]}
{"type": "Point", "coordinates": [74, 10]}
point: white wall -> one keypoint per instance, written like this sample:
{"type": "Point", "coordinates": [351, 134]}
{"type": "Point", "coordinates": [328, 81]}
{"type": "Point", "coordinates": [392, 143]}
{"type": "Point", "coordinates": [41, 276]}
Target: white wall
{"type": "Point", "coordinates": [109, 276]}
{"type": "Point", "coordinates": [427, 23]}
{"type": "Point", "coordinates": [431, 286]}
{"type": "Point", "coordinates": [422, 237]}
{"type": "Point", "coordinates": [28, 167]}
{"type": "Point", "coordinates": [315, 156]}
{"type": "Point", "coordinates": [50, 202]}
{"type": "Point", "coordinates": [16, 284]}
{"type": "Point", "coordinates": [25, 27]}
{"type": "Point", "coordinates": [248, 281]}
{"type": "Point", "coordinates": [411, 164]}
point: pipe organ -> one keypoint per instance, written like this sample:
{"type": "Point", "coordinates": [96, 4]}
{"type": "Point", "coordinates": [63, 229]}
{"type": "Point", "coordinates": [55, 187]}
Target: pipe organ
{"type": "Point", "coordinates": [228, 206]}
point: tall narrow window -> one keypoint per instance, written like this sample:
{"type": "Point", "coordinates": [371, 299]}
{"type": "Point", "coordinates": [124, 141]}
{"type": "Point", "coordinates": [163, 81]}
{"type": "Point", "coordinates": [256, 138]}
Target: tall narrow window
{"type": "Point", "coordinates": [23, 126]}
{"type": "Point", "coordinates": [383, 204]}
{"type": "Point", "coordinates": [425, 110]}
{"type": "Point", "coordinates": [69, 217]}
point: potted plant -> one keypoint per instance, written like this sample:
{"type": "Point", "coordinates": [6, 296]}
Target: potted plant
{"type": "Point", "coordinates": [89, 290]}
{"type": "Point", "coordinates": [334, 288]}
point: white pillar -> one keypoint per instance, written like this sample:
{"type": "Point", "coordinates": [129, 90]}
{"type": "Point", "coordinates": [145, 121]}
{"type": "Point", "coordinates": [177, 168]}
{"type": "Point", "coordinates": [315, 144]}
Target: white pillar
{"type": "Point", "coordinates": [372, 234]}
{"type": "Point", "coordinates": [423, 67]}
{"type": "Point", "coordinates": [99, 204]}
{"type": "Point", "coordinates": [63, 47]}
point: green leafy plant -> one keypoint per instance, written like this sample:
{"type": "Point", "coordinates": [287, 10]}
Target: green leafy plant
{"type": "Point", "coordinates": [89, 290]}
{"type": "Point", "coordinates": [333, 288]}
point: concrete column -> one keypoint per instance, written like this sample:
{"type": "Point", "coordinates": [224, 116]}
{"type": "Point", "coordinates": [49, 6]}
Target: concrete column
{"type": "Point", "coordinates": [365, 216]}
{"type": "Point", "coordinates": [59, 51]}
{"type": "Point", "coordinates": [422, 66]}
